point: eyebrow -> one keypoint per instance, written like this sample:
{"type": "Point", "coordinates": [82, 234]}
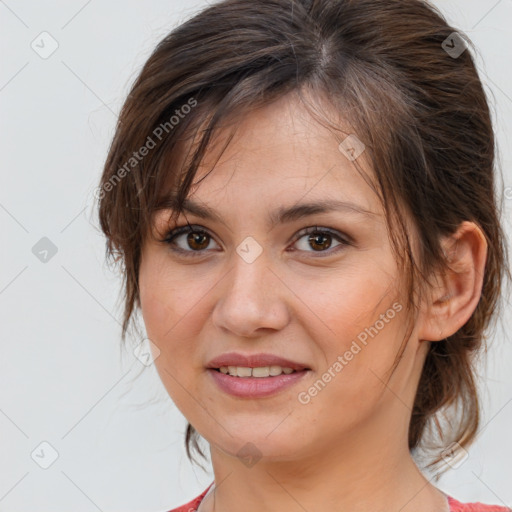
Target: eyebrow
{"type": "Point", "coordinates": [280, 215]}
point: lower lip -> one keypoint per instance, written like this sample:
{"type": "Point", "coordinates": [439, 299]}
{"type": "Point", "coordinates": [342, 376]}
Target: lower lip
{"type": "Point", "coordinates": [255, 387]}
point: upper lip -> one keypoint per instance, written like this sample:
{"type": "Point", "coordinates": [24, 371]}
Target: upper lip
{"type": "Point", "coordinates": [254, 361]}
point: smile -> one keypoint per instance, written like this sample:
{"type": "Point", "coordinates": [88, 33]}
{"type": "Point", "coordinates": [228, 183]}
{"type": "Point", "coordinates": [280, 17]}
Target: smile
{"type": "Point", "coordinates": [253, 386]}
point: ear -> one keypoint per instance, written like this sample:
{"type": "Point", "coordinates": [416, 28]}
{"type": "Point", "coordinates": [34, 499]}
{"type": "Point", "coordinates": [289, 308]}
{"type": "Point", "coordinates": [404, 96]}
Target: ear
{"type": "Point", "coordinates": [450, 303]}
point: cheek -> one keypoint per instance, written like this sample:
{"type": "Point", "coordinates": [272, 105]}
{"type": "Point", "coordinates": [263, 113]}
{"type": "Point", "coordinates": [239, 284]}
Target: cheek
{"type": "Point", "coordinates": [359, 326]}
{"type": "Point", "coordinates": [351, 299]}
{"type": "Point", "coordinates": [169, 305]}
{"type": "Point", "coordinates": [168, 327]}
{"type": "Point", "coordinates": [173, 316]}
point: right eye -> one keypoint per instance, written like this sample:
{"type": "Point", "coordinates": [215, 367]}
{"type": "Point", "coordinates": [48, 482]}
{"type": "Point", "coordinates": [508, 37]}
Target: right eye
{"type": "Point", "coordinates": [193, 244]}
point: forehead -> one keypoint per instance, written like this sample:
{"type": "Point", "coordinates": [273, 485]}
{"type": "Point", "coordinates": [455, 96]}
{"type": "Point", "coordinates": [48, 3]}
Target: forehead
{"type": "Point", "coordinates": [281, 150]}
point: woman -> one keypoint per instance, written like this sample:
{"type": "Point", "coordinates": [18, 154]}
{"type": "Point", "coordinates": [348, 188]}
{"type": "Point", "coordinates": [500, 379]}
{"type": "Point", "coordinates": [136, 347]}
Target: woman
{"type": "Point", "coordinates": [301, 194]}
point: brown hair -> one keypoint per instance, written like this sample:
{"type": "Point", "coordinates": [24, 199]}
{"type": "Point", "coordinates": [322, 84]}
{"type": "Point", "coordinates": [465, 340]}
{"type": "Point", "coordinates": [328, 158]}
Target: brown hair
{"type": "Point", "coordinates": [390, 69]}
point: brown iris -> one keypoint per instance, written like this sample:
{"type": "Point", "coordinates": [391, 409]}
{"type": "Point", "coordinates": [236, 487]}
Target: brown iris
{"type": "Point", "coordinates": [317, 239]}
{"type": "Point", "coordinates": [197, 238]}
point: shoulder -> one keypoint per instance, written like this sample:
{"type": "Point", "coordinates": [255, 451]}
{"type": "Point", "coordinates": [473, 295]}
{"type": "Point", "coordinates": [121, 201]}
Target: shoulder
{"type": "Point", "coordinates": [457, 506]}
{"type": "Point", "coordinates": [192, 505]}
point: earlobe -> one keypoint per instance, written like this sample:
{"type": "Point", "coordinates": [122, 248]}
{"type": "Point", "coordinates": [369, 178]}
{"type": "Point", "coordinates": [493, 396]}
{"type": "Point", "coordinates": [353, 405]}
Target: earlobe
{"type": "Point", "coordinates": [452, 302]}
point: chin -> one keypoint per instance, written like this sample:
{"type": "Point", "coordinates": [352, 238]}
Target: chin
{"type": "Point", "coordinates": [265, 444]}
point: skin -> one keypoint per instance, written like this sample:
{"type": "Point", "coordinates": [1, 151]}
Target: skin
{"type": "Point", "coordinates": [347, 448]}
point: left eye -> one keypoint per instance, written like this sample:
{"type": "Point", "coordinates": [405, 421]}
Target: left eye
{"type": "Point", "coordinates": [196, 240]}
{"type": "Point", "coordinates": [319, 240]}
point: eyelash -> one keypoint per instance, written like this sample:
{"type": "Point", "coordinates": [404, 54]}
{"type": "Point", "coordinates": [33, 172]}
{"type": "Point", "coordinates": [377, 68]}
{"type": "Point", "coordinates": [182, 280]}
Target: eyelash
{"type": "Point", "coordinates": [191, 228]}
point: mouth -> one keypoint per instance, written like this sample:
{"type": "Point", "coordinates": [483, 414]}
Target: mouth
{"type": "Point", "coordinates": [255, 375]}
{"type": "Point", "coordinates": [255, 383]}
{"type": "Point", "coordinates": [260, 372]}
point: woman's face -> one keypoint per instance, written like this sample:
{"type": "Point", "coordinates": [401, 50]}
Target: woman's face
{"type": "Point", "coordinates": [257, 282]}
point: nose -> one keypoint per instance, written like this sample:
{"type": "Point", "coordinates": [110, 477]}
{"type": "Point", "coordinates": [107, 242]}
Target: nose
{"type": "Point", "coordinates": [251, 300]}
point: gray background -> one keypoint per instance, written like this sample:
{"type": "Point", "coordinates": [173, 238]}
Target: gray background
{"type": "Point", "coordinates": [64, 379]}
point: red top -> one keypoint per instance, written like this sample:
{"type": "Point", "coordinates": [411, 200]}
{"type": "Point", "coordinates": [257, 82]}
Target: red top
{"type": "Point", "coordinates": [455, 506]}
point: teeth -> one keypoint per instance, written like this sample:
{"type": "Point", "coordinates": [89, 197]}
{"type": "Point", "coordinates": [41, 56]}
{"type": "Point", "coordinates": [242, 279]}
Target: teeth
{"type": "Point", "coordinates": [240, 371]}
{"type": "Point", "coordinates": [262, 371]}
